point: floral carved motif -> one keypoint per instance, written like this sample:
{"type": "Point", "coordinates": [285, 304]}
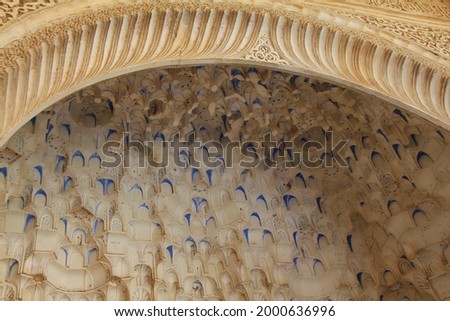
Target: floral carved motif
{"type": "Point", "coordinates": [264, 51]}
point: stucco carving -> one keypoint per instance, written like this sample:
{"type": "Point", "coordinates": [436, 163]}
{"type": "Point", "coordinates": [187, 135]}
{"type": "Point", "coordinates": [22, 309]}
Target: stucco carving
{"type": "Point", "coordinates": [13, 9]}
{"type": "Point", "coordinates": [264, 52]}
{"type": "Point", "coordinates": [71, 229]}
{"type": "Point", "coordinates": [43, 61]}
{"type": "Point", "coordinates": [423, 7]}
{"type": "Point", "coordinates": [433, 38]}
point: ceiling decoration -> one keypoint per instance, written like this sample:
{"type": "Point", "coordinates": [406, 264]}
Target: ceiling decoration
{"type": "Point", "coordinates": [376, 47]}
{"type": "Point", "coordinates": [377, 229]}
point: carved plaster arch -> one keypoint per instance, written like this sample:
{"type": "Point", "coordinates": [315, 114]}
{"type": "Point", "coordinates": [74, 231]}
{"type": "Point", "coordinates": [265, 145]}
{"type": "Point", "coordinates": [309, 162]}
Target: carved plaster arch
{"type": "Point", "coordinates": [45, 60]}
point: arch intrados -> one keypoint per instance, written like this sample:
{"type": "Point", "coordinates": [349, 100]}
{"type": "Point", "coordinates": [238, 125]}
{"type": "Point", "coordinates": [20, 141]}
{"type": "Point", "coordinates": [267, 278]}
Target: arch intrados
{"type": "Point", "coordinates": [401, 80]}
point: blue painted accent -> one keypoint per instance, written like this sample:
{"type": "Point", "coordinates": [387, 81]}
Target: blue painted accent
{"type": "Point", "coordinates": [276, 150]}
{"type": "Point", "coordinates": [379, 131]}
{"type": "Point", "coordinates": [143, 205]}
{"type": "Point", "coordinates": [94, 116]}
{"type": "Point", "coordinates": [374, 154]}
{"type": "Point", "coordinates": [349, 241]}
{"type": "Point", "coordinates": [440, 134]}
{"type": "Point", "coordinates": [138, 187]}
{"type": "Point", "coordinates": [300, 175]}
{"type": "Point", "coordinates": [289, 152]}
{"type": "Point", "coordinates": [4, 171]}
{"type": "Point", "coordinates": [168, 182]}
{"type": "Point", "coordinates": [203, 148]}
{"type": "Point", "coordinates": [190, 239]}
{"type": "Point", "coordinates": [96, 225]}
{"type": "Point", "coordinates": [318, 203]}
{"type": "Point", "coordinates": [159, 136]}
{"type": "Point", "coordinates": [33, 121]}
{"type": "Point", "coordinates": [319, 237]}
{"type": "Point", "coordinates": [209, 175]}
{"type": "Point", "coordinates": [110, 105]}
{"type": "Point", "coordinates": [262, 84]}
{"type": "Point", "coordinates": [364, 139]}
{"type": "Point", "coordinates": [417, 211]}
{"type": "Point", "coordinates": [194, 173]}
{"type": "Point", "coordinates": [245, 171]}
{"type": "Point", "coordinates": [66, 254]}
{"type": "Point", "coordinates": [396, 149]}
{"type": "Point", "coordinates": [92, 250]}
{"type": "Point", "coordinates": [262, 198]}
{"type": "Point", "coordinates": [110, 133]}
{"type": "Point", "coordinates": [257, 101]}
{"type": "Point", "coordinates": [353, 149]}
{"type": "Point", "coordinates": [421, 154]}
{"type": "Point", "coordinates": [322, 157]}
{"type": "Point", "coordinates": [406, 178]}
{"type": "Point", "coordinates": [287, 200]}
{"type": "Point", "coordinates": [78, 154]}
{"type": "Point", "coordinates": [11, 268]}
{"type": "Point", "coordinates": [246, 235]}
{"type": "Point", "coordinates": [188, 219]}
{"type": "Point", "coordinates": [242, 190]}
{"type": "Point", "coordinates": [390, 202]}
{"type": "Point", "coordinates": [254, 214]}
{"type": "Point", "coordinates": [251, 148]}
{"type": "Point", "coordinates": [49, 129]}
{"type": "Point", "coordinates": [295, 260]}
{"type": "Point", "coordinates": [170, 250]}
{"type": "Point", "coordinates": [198, 201]}
{"type": "Point", "coordinates": [235, 82]}
{"type": "Point", "coordinates": [398, 112]}
{"type": "Point", "coordinates": [105, 184]}
{"type": "Point", "coordinates": [59, 160]}
{"type": "Point", "coordinates": [64, 220]}
{"type": "Point", "coordinates": [67, 127]}
{"type": "Point", "coordinates": [294, 236]}
{"type": "Point", "coordinates": [39, 170]}
{"type": "Point", "coordinates": [293, 79]}
{"type": "Point", "coordinates": [266, 232]}
{"type": "Point", "coordinates": [95, 156]}
{"type": "Point", "coordinates": [29, 218]}
{"type": "Point", "coordinates": [224, 121]}
{"type": "Point", "coordinates": [209, 219]}
{"type": "Point", "coordinates": [413, 136]}
{"type": "Point", "coordinates": [81, 230]}
{"type": "Point", "coordinates": [359, 277]}
{"type": "Point", "coordinates": [235, 72]}
{"type": "Point", "coordinates": [315, 262]}
{"type": "Point", "coordinates": [41, 192]}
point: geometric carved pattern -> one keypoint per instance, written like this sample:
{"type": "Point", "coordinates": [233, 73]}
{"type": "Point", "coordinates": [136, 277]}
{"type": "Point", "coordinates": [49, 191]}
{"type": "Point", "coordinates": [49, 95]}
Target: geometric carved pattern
{"type": "Point", "coordinates": [13, 9]}
{"type": "Point", "coordinates": [71, 229]}
{"type": "Point", "coordinates": [423, 7]}
{"type": "Point", "coordinates": [435, 39]}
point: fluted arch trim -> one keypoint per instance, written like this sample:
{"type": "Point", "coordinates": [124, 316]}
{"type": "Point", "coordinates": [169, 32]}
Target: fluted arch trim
{"type": "Point", "coordinates": [113, 40]}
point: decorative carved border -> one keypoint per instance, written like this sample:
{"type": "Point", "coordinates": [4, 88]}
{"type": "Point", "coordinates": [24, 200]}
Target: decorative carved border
{"type": "Point", "coordinates": [64, 56]}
